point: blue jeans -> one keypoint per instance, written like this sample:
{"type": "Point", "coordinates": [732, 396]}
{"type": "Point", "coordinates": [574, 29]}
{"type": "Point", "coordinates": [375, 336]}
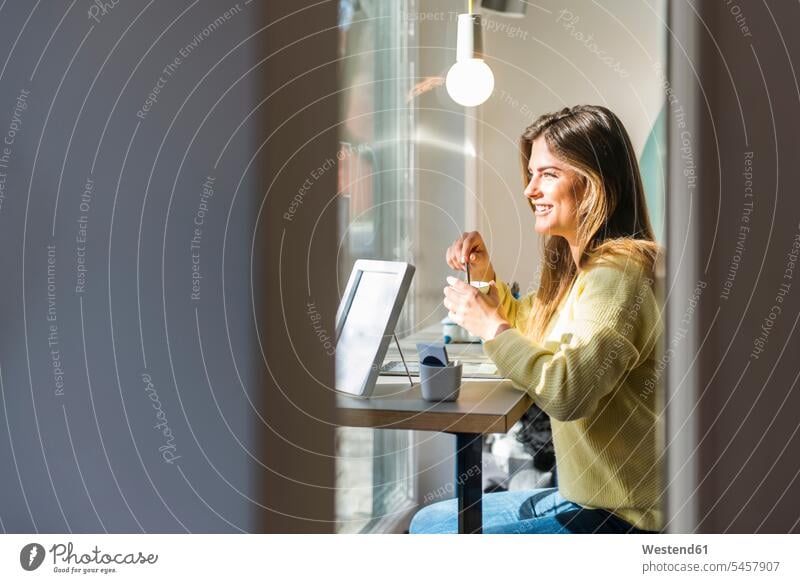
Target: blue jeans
{"type": "Point", "coordinates": [540, 511]}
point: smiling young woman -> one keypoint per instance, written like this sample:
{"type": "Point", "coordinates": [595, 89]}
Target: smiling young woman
{"type": "Point", "coordinates": [581, 161]}
{"type": "Point", "coordinates": [584, 345]}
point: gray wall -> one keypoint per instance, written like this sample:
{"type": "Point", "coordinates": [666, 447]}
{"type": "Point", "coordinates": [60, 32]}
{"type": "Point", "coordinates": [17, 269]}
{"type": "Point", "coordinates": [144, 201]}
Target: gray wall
{"type": "Point", "coordinates": [128, 403]}
{"type": "Point", "coordinates": [734, 232]}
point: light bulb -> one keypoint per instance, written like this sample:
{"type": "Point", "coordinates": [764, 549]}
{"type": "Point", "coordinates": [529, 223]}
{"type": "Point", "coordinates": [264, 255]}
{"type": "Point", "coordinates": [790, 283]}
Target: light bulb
{"type": "Point", "coordinates": [470, 82]}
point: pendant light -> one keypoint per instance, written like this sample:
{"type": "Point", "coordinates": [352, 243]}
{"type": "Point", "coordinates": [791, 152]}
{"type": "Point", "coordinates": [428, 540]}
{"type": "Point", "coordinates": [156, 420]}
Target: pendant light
{"type": "Point", "coordinates": [469, 81]}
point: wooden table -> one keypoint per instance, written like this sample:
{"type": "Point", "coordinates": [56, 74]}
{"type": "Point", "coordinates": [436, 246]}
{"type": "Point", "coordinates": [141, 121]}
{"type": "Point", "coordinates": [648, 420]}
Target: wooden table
{"type": "Point", "coordinates": [483, 406]}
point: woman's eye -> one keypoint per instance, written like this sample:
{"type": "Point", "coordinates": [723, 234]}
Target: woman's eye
{"type": "Point", "coordinates": [549, 174]}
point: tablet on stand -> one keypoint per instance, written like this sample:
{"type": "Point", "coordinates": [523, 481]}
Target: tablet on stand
{"type": "Point", "coordinates": [366, 320]}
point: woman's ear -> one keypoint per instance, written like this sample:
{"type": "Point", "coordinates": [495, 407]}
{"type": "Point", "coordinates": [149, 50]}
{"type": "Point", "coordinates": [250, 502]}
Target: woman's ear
{"type": "Point", "coordinates": [580, 187]}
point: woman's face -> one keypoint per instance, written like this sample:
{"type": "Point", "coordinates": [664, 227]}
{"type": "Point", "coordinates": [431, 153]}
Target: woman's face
{"type": "Point", "coordinates": [555, 189]}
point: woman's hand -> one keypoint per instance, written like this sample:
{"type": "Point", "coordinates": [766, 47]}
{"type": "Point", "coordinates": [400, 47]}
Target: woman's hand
{"type": "Point", "coordinates": [469, 247]}
{"type": "Point", "coordinates": [480, 314]}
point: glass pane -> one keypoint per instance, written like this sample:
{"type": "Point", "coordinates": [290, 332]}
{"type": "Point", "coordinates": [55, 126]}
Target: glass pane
{"type": "Point", "coordinates": [376, 215]}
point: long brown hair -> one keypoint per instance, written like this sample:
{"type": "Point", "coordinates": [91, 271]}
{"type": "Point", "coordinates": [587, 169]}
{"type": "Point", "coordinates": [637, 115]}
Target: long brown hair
{"type": "Point", "coordinates": [612, 212]}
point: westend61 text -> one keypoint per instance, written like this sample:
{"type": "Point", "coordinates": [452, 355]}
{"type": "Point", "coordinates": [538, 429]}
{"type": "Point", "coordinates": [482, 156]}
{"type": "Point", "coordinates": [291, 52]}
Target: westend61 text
{"type": "Point", "coordinates": [675, 550]}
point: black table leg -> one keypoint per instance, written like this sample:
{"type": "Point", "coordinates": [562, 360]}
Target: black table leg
{"type": "Point", "coordinates": [469, 482]}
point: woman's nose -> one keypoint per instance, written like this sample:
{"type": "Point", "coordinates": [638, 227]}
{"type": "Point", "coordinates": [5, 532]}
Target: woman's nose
{"type": "Point", "coordinates": [531, 191]}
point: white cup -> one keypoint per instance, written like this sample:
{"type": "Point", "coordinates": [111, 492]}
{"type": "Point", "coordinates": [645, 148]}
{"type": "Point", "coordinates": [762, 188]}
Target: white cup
{"type": "Point", "coordinates": [483, 286]}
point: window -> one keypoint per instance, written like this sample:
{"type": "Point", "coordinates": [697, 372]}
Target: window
{"type": "Point", "coordinates": [375, 469]}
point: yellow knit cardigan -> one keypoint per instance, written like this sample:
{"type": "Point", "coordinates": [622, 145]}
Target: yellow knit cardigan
{"type": "Point", "coordinates": [596, 376]}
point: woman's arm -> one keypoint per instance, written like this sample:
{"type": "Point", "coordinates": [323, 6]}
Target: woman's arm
{"type": "Point", "coordinates": [616, 324]}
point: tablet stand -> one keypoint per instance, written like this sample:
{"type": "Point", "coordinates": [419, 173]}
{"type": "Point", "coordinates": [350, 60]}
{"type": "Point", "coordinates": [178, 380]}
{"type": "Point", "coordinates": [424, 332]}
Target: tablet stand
{"type": "Point", "coordinates": [397, 342]}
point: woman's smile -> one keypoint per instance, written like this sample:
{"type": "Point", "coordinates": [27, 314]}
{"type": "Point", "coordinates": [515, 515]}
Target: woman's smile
{"type": "Point", "coordinates": [543, 209]}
